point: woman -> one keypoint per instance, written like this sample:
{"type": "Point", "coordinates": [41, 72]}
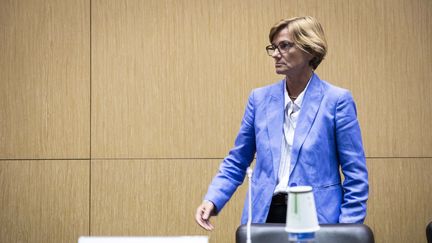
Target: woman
{"type": "Point", "coordinates": [302, 130]}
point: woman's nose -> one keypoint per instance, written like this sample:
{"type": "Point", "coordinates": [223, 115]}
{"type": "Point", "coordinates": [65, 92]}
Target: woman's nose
{"type": "Point", "coordinates": [276, 53]}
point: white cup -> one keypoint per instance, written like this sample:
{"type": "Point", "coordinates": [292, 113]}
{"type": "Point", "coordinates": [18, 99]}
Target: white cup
{"type": "Point", "coordinates": [301, 211]}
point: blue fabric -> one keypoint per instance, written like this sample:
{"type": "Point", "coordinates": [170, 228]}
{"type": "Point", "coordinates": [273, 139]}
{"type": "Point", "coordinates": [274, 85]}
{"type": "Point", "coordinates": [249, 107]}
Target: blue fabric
{"type": "Point", "coordinates": [327, 137]}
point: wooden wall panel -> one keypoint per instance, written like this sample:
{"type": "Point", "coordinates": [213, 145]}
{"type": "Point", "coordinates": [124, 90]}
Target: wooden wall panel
{"type": "Point", "coordinates": [381, 51]}
{"type": "Point", "coordinates": [44, 201]}
{"type": "Point", "coordinates": [141, 197]}
{"type": "Point", "coordinates": [157, 197]}
{"type": "Point", "coordinates": [171, 79]}
{"type": "Point", "coordinates": [44, 79]}
{"type": "Point", "coordinates": [399, 205]}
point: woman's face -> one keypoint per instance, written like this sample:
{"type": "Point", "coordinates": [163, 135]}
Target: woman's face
{"type": "Point", "coordinates": [289, 59]}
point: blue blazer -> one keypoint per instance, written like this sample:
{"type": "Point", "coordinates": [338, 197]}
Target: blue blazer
{"type": "Point", "coordinates": [327, 137]}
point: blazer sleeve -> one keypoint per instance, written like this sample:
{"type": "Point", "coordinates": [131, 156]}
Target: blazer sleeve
{"type": "Point", "coordinates": [352, 160]}
{"type": "Point", "coordinates": [233, 168]}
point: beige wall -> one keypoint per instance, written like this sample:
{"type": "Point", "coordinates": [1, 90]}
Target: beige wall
{"type": "Point", "coordinates": [114, 115]}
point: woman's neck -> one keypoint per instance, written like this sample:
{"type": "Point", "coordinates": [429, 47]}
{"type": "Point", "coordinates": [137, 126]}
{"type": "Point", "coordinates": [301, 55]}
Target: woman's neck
{"type": "Point", "coordinates": [296, 84]}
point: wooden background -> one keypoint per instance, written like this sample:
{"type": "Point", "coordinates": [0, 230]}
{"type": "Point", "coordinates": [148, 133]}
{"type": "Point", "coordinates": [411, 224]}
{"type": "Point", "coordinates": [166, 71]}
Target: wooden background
{"type": "Point", "coordinates": [114, 115]}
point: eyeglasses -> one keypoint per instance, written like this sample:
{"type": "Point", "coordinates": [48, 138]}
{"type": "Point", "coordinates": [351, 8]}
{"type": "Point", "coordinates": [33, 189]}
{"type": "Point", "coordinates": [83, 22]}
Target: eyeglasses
{"type": "Point", "coordinates": [282, 47]}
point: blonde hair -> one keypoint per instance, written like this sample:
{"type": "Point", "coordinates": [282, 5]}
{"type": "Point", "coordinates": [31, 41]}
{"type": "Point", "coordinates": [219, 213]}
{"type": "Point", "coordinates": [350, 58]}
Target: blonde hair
{"type": "Point", "coordinates": [308, 35]}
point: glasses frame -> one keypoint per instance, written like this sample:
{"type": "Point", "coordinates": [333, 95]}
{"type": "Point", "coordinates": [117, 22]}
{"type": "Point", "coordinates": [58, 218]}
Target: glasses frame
{"type": "Point", "coordinates": [282, 47]}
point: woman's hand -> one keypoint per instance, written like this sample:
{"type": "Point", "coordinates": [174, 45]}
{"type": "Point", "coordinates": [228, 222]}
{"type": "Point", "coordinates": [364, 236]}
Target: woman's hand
{"type": "Point", "coordinates": [204, 213]}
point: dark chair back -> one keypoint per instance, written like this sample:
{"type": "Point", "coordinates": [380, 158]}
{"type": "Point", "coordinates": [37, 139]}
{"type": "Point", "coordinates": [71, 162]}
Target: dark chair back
{"type": "Point", "coordinates": [429, 232]}
{"type": "Point", "coordinates": [329, 233]}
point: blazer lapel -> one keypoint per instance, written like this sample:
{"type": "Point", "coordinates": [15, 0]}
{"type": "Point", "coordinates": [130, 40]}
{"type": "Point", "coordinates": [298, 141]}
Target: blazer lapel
{"type": "Point", "coordinates": [309, 109]}
{"type": "Point", "coordinates": [275, 118]}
